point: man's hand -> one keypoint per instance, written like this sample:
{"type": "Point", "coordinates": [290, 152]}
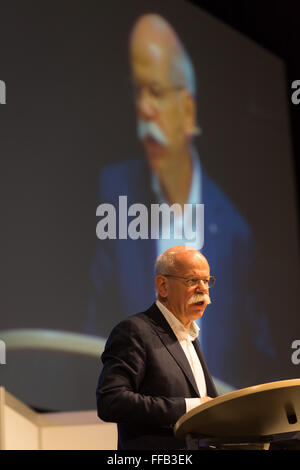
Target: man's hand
{"type": "Point", "coordinates": [193, 402]}
{"type": "Point", "coordinates": [205, 399]}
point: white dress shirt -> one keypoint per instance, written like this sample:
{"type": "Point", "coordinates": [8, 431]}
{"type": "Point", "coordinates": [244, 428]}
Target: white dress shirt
{"type": "Point", "coordinates": [194, 197]}
{"type": "Point", "coordinates": [185, 338]}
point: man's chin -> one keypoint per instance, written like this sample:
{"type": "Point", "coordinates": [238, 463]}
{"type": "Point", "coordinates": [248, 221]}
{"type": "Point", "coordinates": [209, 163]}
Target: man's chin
{"type": "Point", "coordinates": [197, 310]}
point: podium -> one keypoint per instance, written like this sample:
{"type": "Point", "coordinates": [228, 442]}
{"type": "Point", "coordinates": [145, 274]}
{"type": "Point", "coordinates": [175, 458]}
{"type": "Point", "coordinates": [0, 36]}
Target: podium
{"type": "Point", "coordinates": [251, 417]}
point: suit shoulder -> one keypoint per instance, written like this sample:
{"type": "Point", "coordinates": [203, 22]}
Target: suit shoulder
{"type": "Point", "coordinates": [132, 331]}
{"type": "Point", "coordinates": [121, 170]}
{"type": "Point", "coordinates": [134, 322]}
{"type": "Point", "coordinates": [219, 207]}
{"type": "Point", "coordinates": [124, 178]}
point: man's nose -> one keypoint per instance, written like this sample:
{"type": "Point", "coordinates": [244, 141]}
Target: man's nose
{"type": "Point", "coordinates": [145, 107]}
{"type": "Point", "coordinates": [201, 287]}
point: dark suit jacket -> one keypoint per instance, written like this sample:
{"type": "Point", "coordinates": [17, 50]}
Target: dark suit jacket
{"type": "Point", "coordinates": [145, 380]}
{"type": "Point", "coordinates": [234, 329]}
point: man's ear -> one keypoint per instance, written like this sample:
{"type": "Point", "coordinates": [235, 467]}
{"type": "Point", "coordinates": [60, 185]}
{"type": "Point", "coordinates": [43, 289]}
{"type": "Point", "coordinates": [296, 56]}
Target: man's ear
{"type": "Point", "coordinates": [161, 283]}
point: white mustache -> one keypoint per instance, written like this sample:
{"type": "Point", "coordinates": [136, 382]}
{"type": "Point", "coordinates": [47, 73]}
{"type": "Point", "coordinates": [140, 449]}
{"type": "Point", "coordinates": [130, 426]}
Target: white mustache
{"type": "Point", "coordinates": [151, 129]}
{"type": "Point", "coordinates": [199, 298]}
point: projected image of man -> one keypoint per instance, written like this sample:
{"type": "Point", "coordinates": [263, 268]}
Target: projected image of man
{"type": "Point", "coordinates": [171, 171]}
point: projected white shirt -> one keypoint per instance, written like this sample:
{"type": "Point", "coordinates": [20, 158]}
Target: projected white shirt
{"type": "Point", "coordinates": [195, 197]}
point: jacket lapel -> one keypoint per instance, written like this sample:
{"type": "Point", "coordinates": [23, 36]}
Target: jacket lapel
{"type": "Point", "coordinates": [210, 386]}
{"type": "Point", "coordinates": [165, 332]}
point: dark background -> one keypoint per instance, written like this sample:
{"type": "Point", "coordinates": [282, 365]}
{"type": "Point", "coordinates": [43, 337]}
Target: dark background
{"type": "Point", "coordinates": [275, 26]}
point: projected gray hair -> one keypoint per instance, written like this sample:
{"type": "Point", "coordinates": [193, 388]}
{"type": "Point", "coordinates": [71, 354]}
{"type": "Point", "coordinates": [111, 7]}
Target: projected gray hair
{"type": "Point", "coordinates": [182, 71]}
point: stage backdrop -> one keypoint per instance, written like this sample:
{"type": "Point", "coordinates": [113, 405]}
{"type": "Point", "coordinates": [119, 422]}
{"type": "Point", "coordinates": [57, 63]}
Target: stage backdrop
{"type": "Point", "coordinates": [68, 143]}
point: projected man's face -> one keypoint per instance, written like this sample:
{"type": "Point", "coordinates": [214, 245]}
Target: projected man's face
{"type": "Point", "coordinates": [163, 111]}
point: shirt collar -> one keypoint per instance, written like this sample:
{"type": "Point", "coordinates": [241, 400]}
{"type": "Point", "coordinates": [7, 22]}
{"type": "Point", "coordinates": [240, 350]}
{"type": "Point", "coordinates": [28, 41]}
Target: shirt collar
{"type": "Point", "coordinates": [179, 330]}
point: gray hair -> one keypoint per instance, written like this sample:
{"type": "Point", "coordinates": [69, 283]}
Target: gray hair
{"type": "Point", "coordinates": [165, 264]}
{"type": "Point", "coordinates": [182, 71]}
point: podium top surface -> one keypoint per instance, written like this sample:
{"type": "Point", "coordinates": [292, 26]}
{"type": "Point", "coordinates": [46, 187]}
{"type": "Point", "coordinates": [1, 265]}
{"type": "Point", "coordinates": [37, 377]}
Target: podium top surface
{"type": "Point", "coordinates": [260, 410]}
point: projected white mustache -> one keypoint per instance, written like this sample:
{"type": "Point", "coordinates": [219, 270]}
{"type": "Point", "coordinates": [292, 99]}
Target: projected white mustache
{"type": "Point", "coordinates": [199, 298]}
{"type": "Point", "coordinates": [151, 129]}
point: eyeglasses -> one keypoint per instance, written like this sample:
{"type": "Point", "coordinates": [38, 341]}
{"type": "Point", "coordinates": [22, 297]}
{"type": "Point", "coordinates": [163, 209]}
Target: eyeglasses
{"type": "Point", "coordinates": [156, 93]}
{"type": "Point", "coordinates": [194, 281]}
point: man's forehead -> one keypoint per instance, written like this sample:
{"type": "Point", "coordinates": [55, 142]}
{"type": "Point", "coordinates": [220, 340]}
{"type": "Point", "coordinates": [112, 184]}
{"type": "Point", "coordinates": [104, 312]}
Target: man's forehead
{"type": "Point", "coordinates": [150, 65]}
{"type": "Point", "coordinates": [149, 51]}
{"type": "Point", "coordinates": [191, 260]}
{"type": "Point", "coordinates": [155, 50]}
{"type": "Point", "coordinates": [152, 43]}
{"type": "Point", "coordinates": [151, 27]}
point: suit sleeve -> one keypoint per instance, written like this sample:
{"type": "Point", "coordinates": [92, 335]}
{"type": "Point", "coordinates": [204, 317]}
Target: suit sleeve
{"type": "Point", "coordinates": [119, 397]}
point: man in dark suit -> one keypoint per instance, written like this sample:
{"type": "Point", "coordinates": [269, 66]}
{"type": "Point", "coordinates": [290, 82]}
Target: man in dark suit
{"type": "Point", "coordinates": [153, 368]}
{"type": "Point", "coordinates": [164, 83]}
